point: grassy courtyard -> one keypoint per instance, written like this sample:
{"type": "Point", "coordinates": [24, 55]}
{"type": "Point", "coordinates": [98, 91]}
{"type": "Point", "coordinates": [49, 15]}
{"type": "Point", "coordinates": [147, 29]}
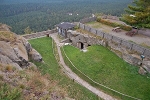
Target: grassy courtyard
{"type": "Point", "coordinates": [51, 67]}
{"type": "Point", "coordinates": [104, 67]}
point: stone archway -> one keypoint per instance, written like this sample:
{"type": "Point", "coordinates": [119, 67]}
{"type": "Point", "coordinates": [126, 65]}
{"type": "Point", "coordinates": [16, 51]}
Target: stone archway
{"type": "Point", "coordinates": [80, 45]}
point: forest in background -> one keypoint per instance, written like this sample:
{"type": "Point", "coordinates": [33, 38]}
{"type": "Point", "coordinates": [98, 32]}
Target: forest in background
{"type": "Point", "coordinates": [40, 15]}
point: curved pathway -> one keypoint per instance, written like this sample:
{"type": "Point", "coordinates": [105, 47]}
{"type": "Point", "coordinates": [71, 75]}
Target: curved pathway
{"type": "Point", "coordinates": [75, 77]}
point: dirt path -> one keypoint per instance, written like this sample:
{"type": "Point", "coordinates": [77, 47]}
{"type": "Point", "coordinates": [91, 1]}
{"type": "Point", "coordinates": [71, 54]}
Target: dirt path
{"type": "Point", "coordinates": [75, 77]}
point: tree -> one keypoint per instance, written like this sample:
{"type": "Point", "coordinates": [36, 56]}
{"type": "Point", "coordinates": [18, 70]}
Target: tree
{"type": "Point", "coordinates": [27, 30]}
{"type": "Point", "coordinates": [138, 14]}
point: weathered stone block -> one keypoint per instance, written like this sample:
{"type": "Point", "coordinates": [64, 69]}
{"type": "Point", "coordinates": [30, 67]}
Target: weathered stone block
{"type": "Point", "coordinates": [94, 31]}
{"type": "Point", "coordinates": [99, 33]}
{"type": "Point", "coordinates": [81, 38]}
{"type": "Point", "coordinates": [126, 44]}
{"type": "Point", "coordinates": [146, 65]}
{"type": "Point", "coordinates": [138, 48]}
{"type": "Point", "coordinates": [108, 36]}
{"type": "Point", "coordinates": [131, 59]}
{"type": "Point", "coordinates": [81, 26]}
{"type": "Point", "coordinates": [147, 53]}
{"type": "Point", "coordinates": [117, 40]}
{"type": "Point", "coordinates": [87, 28]}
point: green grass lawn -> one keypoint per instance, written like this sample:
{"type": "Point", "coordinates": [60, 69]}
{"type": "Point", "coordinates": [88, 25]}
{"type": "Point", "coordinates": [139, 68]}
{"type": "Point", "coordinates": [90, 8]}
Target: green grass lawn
{"type": "Point", "coordinates": [95, 24]}
{"type": "Point", "coordinates": [104, 67]}
{"type": "Point", "coordinates": [74, 90]}
{"type": "Point", "coordinates": [102, 27]}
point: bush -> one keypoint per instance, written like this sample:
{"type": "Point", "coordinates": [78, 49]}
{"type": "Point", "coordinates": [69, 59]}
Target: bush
{"type": "Point", "coordinates": [9, 68]}
{"type": "Point", "coordinates": [124, 27]}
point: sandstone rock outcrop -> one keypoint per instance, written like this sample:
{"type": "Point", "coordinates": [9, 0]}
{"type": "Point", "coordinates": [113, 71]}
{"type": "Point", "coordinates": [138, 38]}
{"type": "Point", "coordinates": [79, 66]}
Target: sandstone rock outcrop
{"type": "Point", "coordinates": [15, 50]}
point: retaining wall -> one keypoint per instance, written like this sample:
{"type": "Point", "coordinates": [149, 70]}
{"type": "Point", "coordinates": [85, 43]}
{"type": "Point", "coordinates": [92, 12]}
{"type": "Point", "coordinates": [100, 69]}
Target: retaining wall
{"type": "Point", "coordinates": [123, 43]}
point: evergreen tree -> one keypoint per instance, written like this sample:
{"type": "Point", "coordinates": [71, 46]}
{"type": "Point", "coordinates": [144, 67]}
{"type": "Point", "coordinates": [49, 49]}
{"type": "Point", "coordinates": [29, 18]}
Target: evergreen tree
{"type": "Point", "coordinates": [138, 14]}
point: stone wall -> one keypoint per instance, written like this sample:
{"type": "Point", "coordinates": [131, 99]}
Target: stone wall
{"type": "Point", "coordinates": [128, 51]}
{"type": "Point", "coordinates": [38, 34]}
{"type": "Point", "coordinates": [94, 31]}
{"type": "Point", "coordinates": [87, 28]}
{"type": "Point", "coordinates": [129, 45]}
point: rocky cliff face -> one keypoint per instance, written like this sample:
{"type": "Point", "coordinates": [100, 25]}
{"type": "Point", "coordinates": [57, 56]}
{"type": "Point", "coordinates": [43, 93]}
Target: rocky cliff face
{"type": "Point", "coordinates": [16, 50]}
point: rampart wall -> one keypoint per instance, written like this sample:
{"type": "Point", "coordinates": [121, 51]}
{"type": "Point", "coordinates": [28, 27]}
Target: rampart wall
{"type": "Point", "coordinates": [39, 34]}
{"type": "Point", "coordinates": [126, 50]}
{"type": "Point", "coordinates": [127, 44]}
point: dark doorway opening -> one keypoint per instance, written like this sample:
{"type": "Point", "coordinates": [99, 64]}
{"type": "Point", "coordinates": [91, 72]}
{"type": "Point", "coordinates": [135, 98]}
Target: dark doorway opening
{"type": "Point", "coordinates": [82, 45]}
{"type": "Point", "coordinates": [89, 45]}
{"type": "Point", "coordinates": [70, 41]}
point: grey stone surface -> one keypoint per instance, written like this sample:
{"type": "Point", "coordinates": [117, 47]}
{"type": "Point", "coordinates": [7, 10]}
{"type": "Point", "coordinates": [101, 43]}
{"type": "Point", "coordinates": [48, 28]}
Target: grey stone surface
{"type": "Point", "coordinates": [126, 44]}
{"type": "Point", "coordinates": [9, 56]}
{"type": "Point", "coordinates": [87, 28]}
{"type": "Point", "coordinates": [66, 40]}
{"type": "Point", "coordinates": [35, 55]}
{"type": "Point", "coordinates": [8, 51]}
{"type": "Point", "coordinates": [99, 33]}
{"type": "Point", "coordinates": [132, 59]}
{"type": "Point", "coordinates": [81, 26]}
{"type": "Point", "coordinates": [4, 60]}
{"type": "Point", "coordinates": [94, 31]}
{"type": "Point", "coordinates": [146, 65]}
{"type": "Point", "coordinates": [147, 53]}
{"type": "Point", "coordinates": [81, 38]}
{"type": "Point", "coordinates": [138, 48]}
{"type": "Point", "coordinates": [108, 36]}
{"type": "Point", "coordinates": [117, 40]}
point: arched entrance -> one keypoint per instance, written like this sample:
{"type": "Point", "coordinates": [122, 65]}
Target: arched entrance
{"type": "Point", "coordinates": [80, 45]}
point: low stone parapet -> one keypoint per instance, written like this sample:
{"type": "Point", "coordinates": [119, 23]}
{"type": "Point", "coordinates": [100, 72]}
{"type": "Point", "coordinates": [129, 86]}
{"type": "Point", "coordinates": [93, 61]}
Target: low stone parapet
{"type": "Point", "coordinates": [38, 34]}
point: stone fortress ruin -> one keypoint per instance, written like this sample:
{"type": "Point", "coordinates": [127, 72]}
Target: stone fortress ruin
{"type": "Point", "coordinates": [126, 50]}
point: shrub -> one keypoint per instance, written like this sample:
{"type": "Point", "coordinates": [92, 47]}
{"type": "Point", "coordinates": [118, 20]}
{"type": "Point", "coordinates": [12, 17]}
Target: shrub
{"type": "Point", "coordinates": [9, 68]}
{"type": "Point", "coordinates": [124, 27]}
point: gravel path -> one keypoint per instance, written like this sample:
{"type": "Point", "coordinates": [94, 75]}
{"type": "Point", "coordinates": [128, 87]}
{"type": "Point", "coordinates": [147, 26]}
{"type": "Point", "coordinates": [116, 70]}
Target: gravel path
{"type": "Point", "coordinates": [75, 77]}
